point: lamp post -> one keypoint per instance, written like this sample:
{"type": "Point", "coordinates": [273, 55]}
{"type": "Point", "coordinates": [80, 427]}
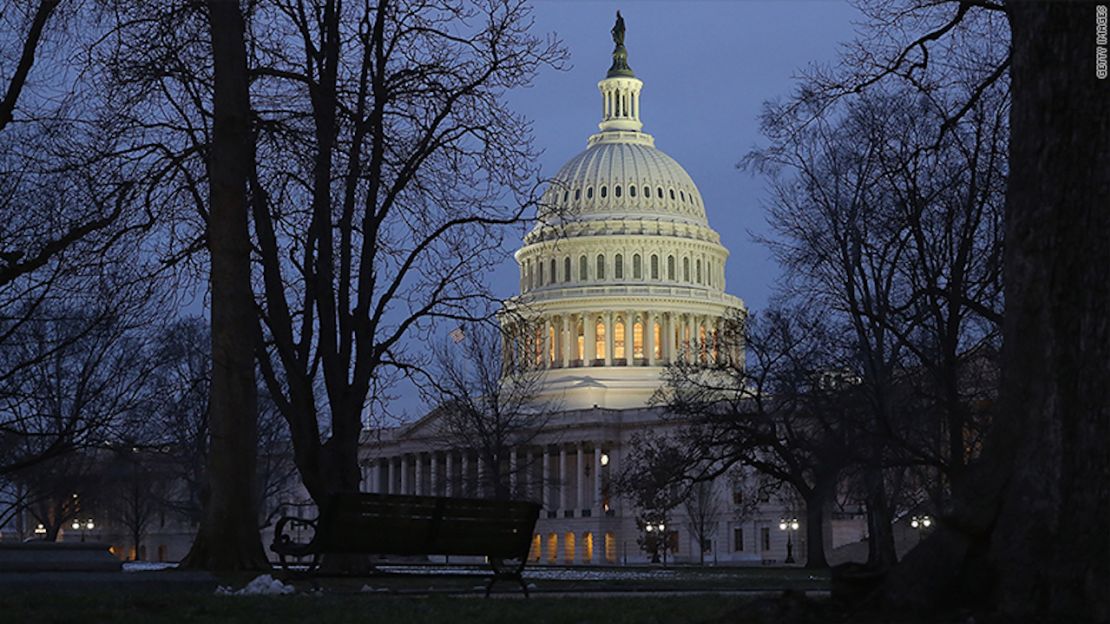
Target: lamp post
{"type": "Point", "coordinates": [789, 525]}
{"type": "Point", "coordinates": [921, 523]}
{"type": "Point", "coordinates": [83, 526]}
{"type": "Point", "coordinates": [658, 532]}
{"type": "Point", "coordinates": [40, 531]}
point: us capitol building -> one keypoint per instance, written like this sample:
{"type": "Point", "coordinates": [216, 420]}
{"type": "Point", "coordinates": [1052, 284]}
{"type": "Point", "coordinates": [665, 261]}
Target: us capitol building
{"type": "Point", "coordinates": [621, 275]}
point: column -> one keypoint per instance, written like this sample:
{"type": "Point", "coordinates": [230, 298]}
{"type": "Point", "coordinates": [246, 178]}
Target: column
{"type": "Point", "coordinates": [608, 338]}
{"type": "Point", "coordinates": [567, 340]}
{"type": "Point", "coordinates": [666, 336]}
{"type": "Point", "coordinates": [597, 507]}
{"type": "Point", "coordinates": [389, 476]}
{"type": "Point", "coordinates": [649, 338]}
{"type": "Point", "coordinates": [690, 342]}
{"type": "Point", "coordinates": [464, 471]}
{"type": "Point", "coordinates": [563, 481]}
{"type": "Point", "coordinates": [512, 473]}
{"type": "Point", "coordinates": [480, 477]}
{"type": "Point", "coordinates": [545, 476]}
{"type": "Point", "coordinates": [448, 484]}
{"type": "Point", "coordinates": [418, 476]}
{"type": "Point", "coordinates": [590, 332]}
{"type": "Point", "coordinates": [630, 337]}
{"type": "Point", "coordinates": [580, 471]}
{"type": "Point", "coordinates": [404, 474]}
{"type": "Point", "coordinates": [548, 345]}
{"type": "Point", "coordinates": [433, 478]}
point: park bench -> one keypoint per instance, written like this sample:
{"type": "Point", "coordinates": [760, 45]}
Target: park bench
{"type": "Point", "coordinates": [392, 524]}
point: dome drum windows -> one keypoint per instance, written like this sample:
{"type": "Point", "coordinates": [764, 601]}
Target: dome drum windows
{"type": "Point", "coordinates": [654, 267]}
{"type": "Point", "coordinates": [637, 270]}
{"type": "Point", "coordinates": [618, 267]}
{"type": "Point", "coordinates": [566, 269]}
{"type": "Point", "coordinates": [670, 268]}
{"type": "Point", "coordinates": [686, 270]}
{"type": "Point", "coordinates": [600, 275]}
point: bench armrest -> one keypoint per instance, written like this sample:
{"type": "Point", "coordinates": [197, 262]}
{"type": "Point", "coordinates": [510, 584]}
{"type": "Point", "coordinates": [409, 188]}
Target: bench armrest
{"type": "Point", "coordinates": [284, 544]}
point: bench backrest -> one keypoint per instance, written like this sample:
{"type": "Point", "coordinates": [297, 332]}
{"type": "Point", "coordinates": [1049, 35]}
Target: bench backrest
{"type": "Point", "coordinates": [391, 524]}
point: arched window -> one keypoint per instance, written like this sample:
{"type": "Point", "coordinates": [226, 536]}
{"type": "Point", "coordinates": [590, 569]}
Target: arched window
{"type": "Point", "coordinates": [590, 192]}
{"type": "Point", "coordinates": [577, 194]}
{"type": "Point", "coordinates": [632, 190]}
{"type": "Point", "coordinates": [583, 269]}
{"type": "Point", "coordinates": [647, 192]}
{"type": "Point", "coordinates": [672, 194]}
{"type": "Point", "coordinates": [670, 268]}
{"type": "Point", "coordinates": [637, 271]}
{"type": "Point", "coordinates": [654, 267]}
{"type": "Point", "coordinates": [599, 340]}
{"type": "Point", "coordinates": [604, 191]}
{"type": "Point", "coordinates": [551, 279]}
{"type": "Point", "coordinates": [659, 191]}
{"type": "Point", "coordinates": [618, 339]}
{"type": "Point", "coordinates": [697, 271]}
{"type": "Point", "coordinates": [566, 269]}
{"type": "Point", "coordinates": [686, 269]}
{"type": "Point", "coordinates": [600, 267]}
{"type": "Point", "coordinates": [617, 190]}
{"type": "Point", "coordinates": [618, 267]}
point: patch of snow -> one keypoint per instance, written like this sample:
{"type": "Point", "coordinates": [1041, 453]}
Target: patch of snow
{"type": "Point", "coordinates": [146, 566]}
{"type": "Point", "coordinates": [366, 589]}
{"type": "Point", "coordinates": [264, 585]}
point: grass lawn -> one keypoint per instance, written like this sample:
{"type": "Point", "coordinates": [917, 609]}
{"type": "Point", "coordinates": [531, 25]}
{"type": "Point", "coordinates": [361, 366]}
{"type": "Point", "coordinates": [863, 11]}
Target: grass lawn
{"type": "Point", "coordinates": [88, 607]}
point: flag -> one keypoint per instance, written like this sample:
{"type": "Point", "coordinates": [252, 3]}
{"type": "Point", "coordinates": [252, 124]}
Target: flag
{"type": "Point", "coordinates": [457, 334]}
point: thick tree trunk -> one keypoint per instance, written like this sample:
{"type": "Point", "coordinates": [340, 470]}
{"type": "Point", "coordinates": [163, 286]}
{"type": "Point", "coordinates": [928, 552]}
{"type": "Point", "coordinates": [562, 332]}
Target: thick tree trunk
{"type": "Point", "coordinates": [1031, 522]}
{"type": "Point", "coordinates": [228, 538]}
{"type": "Point", "coordinates": [815, 527]}
{"type": "Point", "coordinates": [1051, 545]}
{"type": "Point", "coordinates": [881, 554]}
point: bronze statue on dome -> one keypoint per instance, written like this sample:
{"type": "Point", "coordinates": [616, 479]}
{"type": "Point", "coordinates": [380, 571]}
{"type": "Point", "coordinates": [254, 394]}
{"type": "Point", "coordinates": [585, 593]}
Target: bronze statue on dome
{"type": "Point", "coordinates": [618, 31]}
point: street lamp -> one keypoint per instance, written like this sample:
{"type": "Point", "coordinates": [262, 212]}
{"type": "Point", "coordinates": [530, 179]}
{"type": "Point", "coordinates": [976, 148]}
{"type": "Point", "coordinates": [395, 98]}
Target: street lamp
{"type": "Point", "coordinates": [789, 525]}
{"type": "Point", "coordinates": [87, 525]}
{"type": "Point", "coordinates": [40, 530]}
{"type": "Point", "coordinates": [921, 523]}
{"type": "Point", "coordinates": [604, 459]}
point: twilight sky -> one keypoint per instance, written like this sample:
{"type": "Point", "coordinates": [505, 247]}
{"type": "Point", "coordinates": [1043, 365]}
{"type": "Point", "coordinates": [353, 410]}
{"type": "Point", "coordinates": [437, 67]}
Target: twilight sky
{"type": "Point", "coordinates": [707, 67]}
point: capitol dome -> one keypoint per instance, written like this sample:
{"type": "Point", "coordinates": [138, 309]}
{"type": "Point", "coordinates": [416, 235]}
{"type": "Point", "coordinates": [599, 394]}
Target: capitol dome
{"type": "Point", "coordinates": [622, 273]}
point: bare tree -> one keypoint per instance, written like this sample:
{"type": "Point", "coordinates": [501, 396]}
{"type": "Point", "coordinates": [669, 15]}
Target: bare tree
{"type": "Point", "coordinates": [489, 405]}
{"type": "Point", "coordinates": [704, 511]}
{"type": "Point", "coordinates": [388, 169]}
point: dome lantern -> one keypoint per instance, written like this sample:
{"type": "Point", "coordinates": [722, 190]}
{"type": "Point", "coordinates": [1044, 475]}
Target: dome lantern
{"type": "Point", "coordinates": [620, 90]}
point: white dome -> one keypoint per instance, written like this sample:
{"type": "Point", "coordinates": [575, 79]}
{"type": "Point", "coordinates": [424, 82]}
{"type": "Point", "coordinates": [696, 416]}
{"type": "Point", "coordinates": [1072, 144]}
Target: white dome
{"type": "Point", "coordinates": [621, 180]}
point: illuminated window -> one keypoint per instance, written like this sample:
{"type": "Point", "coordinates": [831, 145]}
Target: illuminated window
{"type": "Point", "coordinates": [637, 271]}
{"type": "Point", "coordinates": [638, 341]}
{"type": "Point", "coordinates": [568, 547]}
{"type": "Point", "coordinates": [581, 340]}
{"type": "Point", "coordinates": [618, 340]}
{"type": "Point", "coordinates": [599, 346]}
{"type": "Point", "coordinates": [618, 267]}
{"type": "Point", "coordinates": [610, 548]}
{"type": "Point", "coordinates": [587, 547]}
{"type": "Point", "coordinates": [537, 548]}
{"type": "Point", "coordinates": [552, 547]}
{"type": "Point", "coordinates": [551, 344]}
